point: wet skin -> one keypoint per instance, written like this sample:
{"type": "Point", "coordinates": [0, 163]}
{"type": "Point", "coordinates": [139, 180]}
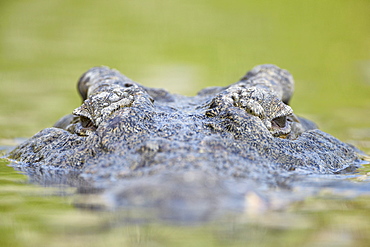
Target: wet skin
{"type": "Point", "coordinates": [125, 136]}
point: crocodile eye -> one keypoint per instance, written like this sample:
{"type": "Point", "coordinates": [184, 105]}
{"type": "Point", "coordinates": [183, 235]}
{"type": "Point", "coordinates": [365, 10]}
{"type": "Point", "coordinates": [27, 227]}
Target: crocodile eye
{"type": "Point", "coordinates": [279, 122]}
{"type": "Point", "coordinates": [86, 122]}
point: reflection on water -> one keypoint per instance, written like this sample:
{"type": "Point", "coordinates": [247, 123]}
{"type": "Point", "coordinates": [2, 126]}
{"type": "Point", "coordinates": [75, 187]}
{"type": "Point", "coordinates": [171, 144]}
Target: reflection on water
{"type": "Point", "coordinates": [56, 216]}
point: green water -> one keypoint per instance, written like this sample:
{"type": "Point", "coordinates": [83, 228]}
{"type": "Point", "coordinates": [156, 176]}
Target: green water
{"type": "Point", "coordinates": [33, 216]}
{"type": "Point", "coordinates": [182, 46]}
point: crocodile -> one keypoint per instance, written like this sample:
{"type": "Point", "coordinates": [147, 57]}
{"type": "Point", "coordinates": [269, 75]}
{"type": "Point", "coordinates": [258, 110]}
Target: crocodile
{"type": "Point", "coordinates": [145, 146]}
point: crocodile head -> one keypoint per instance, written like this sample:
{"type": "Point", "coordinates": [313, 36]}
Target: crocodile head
{"type": "Point", "coordinates": [246, 130]}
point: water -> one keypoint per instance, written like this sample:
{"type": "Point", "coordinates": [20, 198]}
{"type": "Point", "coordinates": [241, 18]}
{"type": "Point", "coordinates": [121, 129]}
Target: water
{"type": "Point", "coordinates": [183, 46]}
{"type": "Point", "coordinates": [34, 216]}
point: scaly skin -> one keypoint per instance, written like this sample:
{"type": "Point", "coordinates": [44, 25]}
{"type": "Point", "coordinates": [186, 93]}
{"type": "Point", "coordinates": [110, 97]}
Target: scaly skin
{"type": "Point", "coordinates": [245, 133]}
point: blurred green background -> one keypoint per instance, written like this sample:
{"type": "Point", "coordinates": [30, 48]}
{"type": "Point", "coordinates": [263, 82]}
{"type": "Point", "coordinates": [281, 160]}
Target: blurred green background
{"type": "Point", "coordinates": [183, 46]}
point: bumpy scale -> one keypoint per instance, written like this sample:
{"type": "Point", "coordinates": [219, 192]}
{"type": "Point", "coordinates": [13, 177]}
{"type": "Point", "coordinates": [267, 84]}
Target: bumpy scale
{"type": "Point", "coordinates": [244, 132]}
